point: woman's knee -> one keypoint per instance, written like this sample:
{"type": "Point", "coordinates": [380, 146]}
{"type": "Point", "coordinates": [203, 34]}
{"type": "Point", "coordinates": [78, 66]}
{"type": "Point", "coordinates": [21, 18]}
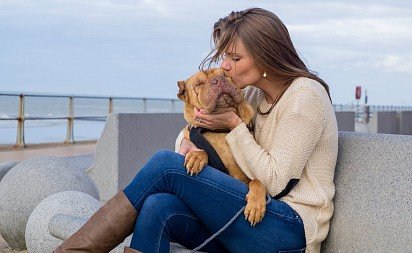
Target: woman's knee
{"type": "Point", "coordinates": [157, 202]}
{"type": "Point", "coordinates": [160, 207]}
{"type": "Point", "coordinates": [163, 154]}
{"type": "Point", "coordinates": [167, 158]}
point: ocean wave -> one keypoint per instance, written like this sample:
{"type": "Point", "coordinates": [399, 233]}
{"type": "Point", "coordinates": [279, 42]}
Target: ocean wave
{"type": "Point", "coordinates": [32, 124]}
{"type": "Point", "coordinates": [5, 116]}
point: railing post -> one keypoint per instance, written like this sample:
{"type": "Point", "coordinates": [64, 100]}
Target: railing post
{"type": "Point", "coordinates": [173, 105]}
{"type": "Point", "coordinates": [144, 105]}
{"type": "Point", "coordinates": [70, 122]}
{"type": "Point", "coordinates": [110, 105]}
{"type": "Point", "coordinates": [20, 124]}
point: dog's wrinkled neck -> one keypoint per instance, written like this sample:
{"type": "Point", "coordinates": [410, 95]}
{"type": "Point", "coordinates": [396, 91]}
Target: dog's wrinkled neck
{"type": "Point", "coordinates": [219, 110]}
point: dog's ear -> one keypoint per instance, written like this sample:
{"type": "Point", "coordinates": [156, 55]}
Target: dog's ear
{"type": "Point", "coordinates": [182, 90]}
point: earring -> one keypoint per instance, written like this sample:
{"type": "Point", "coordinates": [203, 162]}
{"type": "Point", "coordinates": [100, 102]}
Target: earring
{"type": "Point", "coordinates": [264, 74]}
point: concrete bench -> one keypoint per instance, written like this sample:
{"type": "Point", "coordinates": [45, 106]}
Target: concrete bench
{"type": "Point", "coordinates": [373, 207]}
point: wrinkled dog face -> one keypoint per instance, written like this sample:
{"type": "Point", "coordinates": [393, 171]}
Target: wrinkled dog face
{"type": "Point", "coordinates": [211, 90]}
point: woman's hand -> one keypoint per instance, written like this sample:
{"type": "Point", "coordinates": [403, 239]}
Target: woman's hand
{"type": "Point", "coordinates": [226, 120]}
{"type": "Point", "coordinates": [186, 146]}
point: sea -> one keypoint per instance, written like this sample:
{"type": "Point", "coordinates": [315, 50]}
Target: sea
{"type": "Point", "coordinates": [54, 130]}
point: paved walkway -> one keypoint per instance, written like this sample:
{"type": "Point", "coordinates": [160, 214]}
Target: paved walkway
{"type": "Point", "coordinates": [60, 150]}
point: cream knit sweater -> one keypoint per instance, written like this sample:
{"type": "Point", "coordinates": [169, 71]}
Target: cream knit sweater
{"type": "Point", "coordinates": [298, 139]}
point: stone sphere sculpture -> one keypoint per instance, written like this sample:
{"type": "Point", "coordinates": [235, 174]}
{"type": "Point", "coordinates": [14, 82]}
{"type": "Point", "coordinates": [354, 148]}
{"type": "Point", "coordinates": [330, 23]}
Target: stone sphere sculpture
{"type": "Point", "coordinates": [69, 203]}
{"type": "Point", "coordinates": [5, 167]}
{"type": "Point", "coordinates": [28, 183]}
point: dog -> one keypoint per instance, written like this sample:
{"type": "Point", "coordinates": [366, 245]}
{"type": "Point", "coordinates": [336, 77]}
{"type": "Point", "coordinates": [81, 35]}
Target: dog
{"type": "Point", "coordinates": [214, 91]}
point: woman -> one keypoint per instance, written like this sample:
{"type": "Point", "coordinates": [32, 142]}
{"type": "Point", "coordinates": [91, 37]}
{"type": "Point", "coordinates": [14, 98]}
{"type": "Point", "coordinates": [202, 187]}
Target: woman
{"type": "Point", "coordinates": [294, 144]}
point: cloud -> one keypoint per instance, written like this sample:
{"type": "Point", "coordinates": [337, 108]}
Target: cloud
{"type": "Point", "coordinates": [371, 23]}
{"type": "Point", "coordinates": [395, 63]}
{"type": "Point", "coordinates": [71, 41]}
{"type": "Point", "coordinates": [364, 30]}
{"type": "Point", "coordinates": [102, 11]}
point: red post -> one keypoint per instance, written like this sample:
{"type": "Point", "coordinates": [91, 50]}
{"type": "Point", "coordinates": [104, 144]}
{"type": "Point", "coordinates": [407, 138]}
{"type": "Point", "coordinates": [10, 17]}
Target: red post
{"type": "Point", "coordinates": [358, 92]}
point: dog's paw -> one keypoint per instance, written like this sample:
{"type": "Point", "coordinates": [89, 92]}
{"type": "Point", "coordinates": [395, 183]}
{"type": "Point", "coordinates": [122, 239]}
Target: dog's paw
{"type": "Point", "coordinates": [255, 208]}
{"type": "Point", "coordinates": [195, 160]}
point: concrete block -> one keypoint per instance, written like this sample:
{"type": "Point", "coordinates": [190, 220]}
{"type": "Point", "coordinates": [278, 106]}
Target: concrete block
{"type": "Point", "coordinates": [381, 122]}
{"type": "Point", "coordinates": [405, 122]}
{"type": "Point", "coordinates": [58, 217]}
{"type": "Point", "coordinates": [28, 183]}
{"type": "Point", "coordinates": [62, 226]}
{"type": "Point", "coordinates": [387, 122]}
{"type": "Point", "coordinates": [373, 194]}
{"type": "Point", "coordinates": [127, 142]}
{"type": "Point", "coordinates": [37, 235]}
{"type": "Point", "coordinates": [346, 121]}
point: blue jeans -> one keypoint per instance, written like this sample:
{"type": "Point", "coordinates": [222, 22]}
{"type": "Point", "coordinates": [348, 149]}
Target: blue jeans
{"type": "Point", "coordinates": [173, 206]}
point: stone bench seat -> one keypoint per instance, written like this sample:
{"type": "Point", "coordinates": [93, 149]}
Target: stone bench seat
{"type": "Point", "coordinates": [373, 207]}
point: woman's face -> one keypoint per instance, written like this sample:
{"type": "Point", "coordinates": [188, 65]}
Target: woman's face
{"type": "Point", "coordinates": [240, 66]}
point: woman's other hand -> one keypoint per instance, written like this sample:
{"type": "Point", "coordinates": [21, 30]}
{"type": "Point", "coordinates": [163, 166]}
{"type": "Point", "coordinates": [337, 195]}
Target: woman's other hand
{"type": "Point", "coordinates": [186, 146]}
{"type": "Point", "coordinates": [226, 120]}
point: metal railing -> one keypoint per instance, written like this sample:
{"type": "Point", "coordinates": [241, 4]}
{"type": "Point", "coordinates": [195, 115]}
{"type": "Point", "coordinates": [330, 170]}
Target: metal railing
{"type": "Point", "coordinates": [21, 117]}
{"type": "Point", "coordinates": [364, 112]}
{"type": "Point", "coordinates": [372, 108]}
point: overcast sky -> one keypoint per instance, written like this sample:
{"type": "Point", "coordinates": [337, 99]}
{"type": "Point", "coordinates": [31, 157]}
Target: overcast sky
{"type": "Point", "coordinates": [141, 48]}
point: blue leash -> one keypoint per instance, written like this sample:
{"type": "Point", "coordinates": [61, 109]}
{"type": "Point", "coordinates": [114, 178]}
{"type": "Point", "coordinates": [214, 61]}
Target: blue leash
{"type": "Point", "coordinates": [268, 198]}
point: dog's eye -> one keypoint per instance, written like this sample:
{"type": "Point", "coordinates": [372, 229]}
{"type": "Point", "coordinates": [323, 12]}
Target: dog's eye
{"type": "Point", "coordinates": [198, 84]}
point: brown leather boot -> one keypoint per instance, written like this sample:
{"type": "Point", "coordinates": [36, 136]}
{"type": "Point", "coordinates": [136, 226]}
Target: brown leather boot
{"type": "Point", "coordinates": [106, 229]}
{"type": "Point", "coordinates": [130, 250]}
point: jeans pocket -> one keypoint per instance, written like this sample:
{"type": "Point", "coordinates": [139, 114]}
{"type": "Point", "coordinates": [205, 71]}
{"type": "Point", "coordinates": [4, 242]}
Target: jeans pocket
{"type": "Point", "coordinates": [292, 251]}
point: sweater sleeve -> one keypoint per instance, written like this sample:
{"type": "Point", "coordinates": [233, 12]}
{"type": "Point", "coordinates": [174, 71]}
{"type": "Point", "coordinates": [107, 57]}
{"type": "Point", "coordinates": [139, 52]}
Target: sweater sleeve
{"type": "Point", "coordinates": [300, 123]}
{"type": "Point", "coordinates": [179, 141]}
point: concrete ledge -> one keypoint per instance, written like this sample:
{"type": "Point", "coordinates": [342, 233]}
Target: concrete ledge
{"type": "Point", "coordinates": [346, 121]}
{"type": "Point", "coordinates": [405, 122]}
{"type": "Point", "coordinates": [373, 207]}
{"type": "Point", "coordinates": [127, 142]}
{"type": "Point", "coordinates": [387, 122]}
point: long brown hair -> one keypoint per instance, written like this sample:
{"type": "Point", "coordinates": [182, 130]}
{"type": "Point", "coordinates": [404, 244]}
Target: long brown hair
{"type": "Point", "coordinates": [266, 39]}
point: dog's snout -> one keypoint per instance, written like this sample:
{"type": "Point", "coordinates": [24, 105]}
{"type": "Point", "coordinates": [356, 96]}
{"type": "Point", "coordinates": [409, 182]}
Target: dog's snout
{"type": "Point", "coordinates": [218, 80]}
